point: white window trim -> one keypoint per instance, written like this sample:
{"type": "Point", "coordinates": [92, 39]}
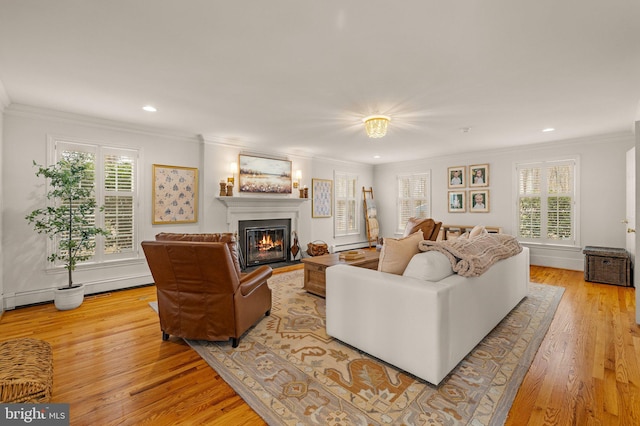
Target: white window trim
{"type": "Point", "coordinates": [400, 229]}
{"type": "Point", "coordinates": [99, 261]}
{"type": "Point", "coordinates": [358, 211]}
{"type": "Point", "coordinates": [576, 199]}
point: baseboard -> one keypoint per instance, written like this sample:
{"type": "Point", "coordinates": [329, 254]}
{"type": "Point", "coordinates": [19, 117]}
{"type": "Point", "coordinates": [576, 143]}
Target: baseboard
{"type": "Point", "coordinates": [34, 297]}
{"type": "Point", "coordinates": [335, 248]}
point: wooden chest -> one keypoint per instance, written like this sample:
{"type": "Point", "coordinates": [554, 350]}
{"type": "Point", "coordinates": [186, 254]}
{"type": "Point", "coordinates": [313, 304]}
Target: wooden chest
{"type": "Point", "coordinates": [607, 265]}
{"type": "Point", "coordinates": [315, 281]}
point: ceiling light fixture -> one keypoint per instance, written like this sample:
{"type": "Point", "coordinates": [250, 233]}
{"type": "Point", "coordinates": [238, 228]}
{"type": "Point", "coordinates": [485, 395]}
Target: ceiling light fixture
{"type": "Point", "coordinates": [376, 125]}
{"type": "Point", "coordinates": [149, 108]}
{"type": "Point", "coordinates": [548, 129]}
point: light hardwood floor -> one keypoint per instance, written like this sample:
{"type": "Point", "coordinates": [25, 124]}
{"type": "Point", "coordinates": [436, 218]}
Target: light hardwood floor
{"type": "Point", "coordinates": [111, 364]}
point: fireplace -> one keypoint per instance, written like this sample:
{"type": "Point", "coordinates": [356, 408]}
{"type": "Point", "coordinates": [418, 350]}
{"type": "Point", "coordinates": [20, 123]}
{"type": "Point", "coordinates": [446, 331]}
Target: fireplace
{"type": "Point", "coordinates": [264, 241]}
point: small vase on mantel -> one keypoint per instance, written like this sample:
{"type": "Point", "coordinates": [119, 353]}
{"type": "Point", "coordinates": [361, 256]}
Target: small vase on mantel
{"type": "Point", "coordinates": [223, 188]}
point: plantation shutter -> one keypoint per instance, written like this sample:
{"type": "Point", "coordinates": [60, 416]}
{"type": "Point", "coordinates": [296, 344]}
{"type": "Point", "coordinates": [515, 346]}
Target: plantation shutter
{"type": "Point", "coordinates": [113, 178]}
{"type": "Point", "coordinates": [87, 154]}
{"type": "Point", "coordinates": [530, 203]}
{"type": "Point", "coordinates": [119, 202]}
{"type": "Point", "coordinates": [346, 204]}
{"type": "Point", "coordinates": [560, 202]}
{"type": "Point", "coordinates": [413, 198]}
{"type": "Point", "coordinates": [546, 202]}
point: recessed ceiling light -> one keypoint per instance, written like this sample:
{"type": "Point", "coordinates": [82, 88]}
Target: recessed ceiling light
{"type": "Point", "coordinates": [376, 156]}
{"type": "Point", "coordinates": [548, 129]}
{"type": "Point", "coordinates": [149, 108]}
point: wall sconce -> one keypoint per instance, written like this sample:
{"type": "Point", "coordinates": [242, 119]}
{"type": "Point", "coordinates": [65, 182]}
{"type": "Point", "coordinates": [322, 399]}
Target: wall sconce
{"type": "Point", "coordinates": [233, 167]}
{"type": "Point", "coordinates": [296, 183]}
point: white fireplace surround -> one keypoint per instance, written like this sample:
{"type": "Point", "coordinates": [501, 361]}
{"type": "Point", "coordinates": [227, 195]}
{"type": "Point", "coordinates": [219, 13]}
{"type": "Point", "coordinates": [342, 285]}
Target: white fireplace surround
{"type": "Point", "coordinates": [260, 208]}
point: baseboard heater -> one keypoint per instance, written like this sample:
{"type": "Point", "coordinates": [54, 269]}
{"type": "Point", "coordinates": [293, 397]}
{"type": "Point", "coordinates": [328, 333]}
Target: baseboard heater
{"type": "Point", "coordinates": [335, 248]}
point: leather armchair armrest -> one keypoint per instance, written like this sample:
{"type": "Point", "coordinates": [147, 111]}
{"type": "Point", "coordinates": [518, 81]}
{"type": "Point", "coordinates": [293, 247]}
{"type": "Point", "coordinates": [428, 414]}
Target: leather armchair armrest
{"type": "Point", "coordinates": [253, 279]}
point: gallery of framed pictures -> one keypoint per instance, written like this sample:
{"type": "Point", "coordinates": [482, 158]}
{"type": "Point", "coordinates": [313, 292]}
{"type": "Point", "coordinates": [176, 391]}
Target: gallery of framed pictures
{"type": "Point", "coordinates": [174, 194]}
{"type": "Point", "coordinates": [264, 175]}
{"type": "Point", "coordinates": [473, 176]}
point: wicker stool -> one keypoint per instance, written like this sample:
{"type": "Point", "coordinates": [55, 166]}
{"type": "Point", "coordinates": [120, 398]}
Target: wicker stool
{"type": "Point", "coordinates": [26, 371]}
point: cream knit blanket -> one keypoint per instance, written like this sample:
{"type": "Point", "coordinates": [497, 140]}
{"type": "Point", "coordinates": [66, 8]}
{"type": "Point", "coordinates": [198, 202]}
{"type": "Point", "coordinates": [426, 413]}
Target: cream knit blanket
{"type": "Point", "coordinates": [471, 257]}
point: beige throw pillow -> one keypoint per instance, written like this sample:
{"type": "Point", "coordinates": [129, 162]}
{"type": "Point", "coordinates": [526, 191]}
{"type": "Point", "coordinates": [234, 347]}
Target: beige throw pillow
{"type": "Point", "coordinates": [397, 253]}
{"type": "Point", "coordinates": [477, 230]}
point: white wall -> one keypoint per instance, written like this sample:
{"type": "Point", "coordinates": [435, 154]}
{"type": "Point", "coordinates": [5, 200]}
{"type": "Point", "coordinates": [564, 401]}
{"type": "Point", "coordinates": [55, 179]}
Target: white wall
{"type": "Point", "coordinates": [602, 191]}
{"type": "Point", "coordinates": [28, 278]}
{"type": "Point", "coordinates": [636, 271]}
{"type": "Point", "coordinates": [322, 228]}
{"type": "Point", "coordinates": [27, 275]}
{"type": "Point", "coordinates": [4, 102]}
{"type": "Point", "coordinates": [1, 210]}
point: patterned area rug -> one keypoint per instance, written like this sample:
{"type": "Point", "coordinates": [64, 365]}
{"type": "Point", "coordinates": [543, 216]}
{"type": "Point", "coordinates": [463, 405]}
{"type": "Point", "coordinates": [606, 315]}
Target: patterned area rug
{"type": "Point", "coordinates": [291, 373]}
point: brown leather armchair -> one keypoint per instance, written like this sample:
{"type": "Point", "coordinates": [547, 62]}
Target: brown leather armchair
{"type": "Point", "coordinates": [201, 294]}
{"type": "Point", "coordinates": [430, 228]}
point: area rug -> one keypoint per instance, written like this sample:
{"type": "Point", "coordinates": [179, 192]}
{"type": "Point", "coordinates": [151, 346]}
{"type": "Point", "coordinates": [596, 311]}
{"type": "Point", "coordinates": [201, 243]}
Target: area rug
{"type": "Point", "coordinates": [291, 373]}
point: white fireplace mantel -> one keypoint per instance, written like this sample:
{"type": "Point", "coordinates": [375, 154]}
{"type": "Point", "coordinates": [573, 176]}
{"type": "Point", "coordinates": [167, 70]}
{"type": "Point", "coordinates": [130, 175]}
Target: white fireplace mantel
{"type": "Point", "coordinates": [261, 207]}
{"type": "Point", "coordinates": [257, 201]}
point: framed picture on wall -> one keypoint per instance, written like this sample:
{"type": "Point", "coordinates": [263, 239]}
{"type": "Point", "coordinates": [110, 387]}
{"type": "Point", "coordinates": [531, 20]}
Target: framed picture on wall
{"type": "Point", "coordinates": [479, 175]}
{"type": "Point", "coordinates": [321, 197]}
{"type": "Point", "coordinates": [264, 175]}
{"type": "Point", "coordinates": [175, 194]}
{"type": "Point", "coordinates": [457, 201]}
{"type": "Point", "coordinates": [456, 177]}
{"type": "Point", "coordinates": [479, 201]}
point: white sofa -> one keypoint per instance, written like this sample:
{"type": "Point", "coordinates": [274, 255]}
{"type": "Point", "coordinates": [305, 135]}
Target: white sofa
{"type": "Point", "coordinates": [423, 327]}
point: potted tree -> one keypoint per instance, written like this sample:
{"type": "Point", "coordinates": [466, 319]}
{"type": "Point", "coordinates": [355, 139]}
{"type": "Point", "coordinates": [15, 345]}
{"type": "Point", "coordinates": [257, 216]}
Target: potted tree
{"type": "Point", "coordinates": [69, 219]}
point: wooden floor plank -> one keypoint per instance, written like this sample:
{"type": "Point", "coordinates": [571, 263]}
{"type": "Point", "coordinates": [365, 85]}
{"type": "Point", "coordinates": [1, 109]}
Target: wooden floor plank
{"type": "Point", "coordinates": [112, 366]}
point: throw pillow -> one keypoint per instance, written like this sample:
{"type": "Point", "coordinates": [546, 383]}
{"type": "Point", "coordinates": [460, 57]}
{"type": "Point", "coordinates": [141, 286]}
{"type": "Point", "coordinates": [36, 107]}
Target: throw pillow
{"type": "Point", "coordinates": [477, 230]}
{"type": "Point", "coordinates": [396, 253]}
{"type": "Point", "coordinates": [429, 266]}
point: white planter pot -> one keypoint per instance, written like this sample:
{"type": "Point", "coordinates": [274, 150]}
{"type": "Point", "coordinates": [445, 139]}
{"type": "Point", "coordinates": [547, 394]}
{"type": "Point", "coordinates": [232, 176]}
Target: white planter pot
{"type": "Point", "coordinates": [66, 298]}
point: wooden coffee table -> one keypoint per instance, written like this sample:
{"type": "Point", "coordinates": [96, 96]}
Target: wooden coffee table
{"type": "Point", "coordinates": [314, 269]}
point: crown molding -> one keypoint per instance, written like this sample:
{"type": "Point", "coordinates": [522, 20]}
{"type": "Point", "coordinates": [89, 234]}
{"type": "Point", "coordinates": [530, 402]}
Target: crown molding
{"type": "Point", "coordinates": [28, 111]}
{"type": "Point", "coordinates": [606, 138]}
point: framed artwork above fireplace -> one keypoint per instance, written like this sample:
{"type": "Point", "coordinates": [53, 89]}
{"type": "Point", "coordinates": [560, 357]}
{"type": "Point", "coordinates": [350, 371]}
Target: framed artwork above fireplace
{"type": "Point", "coordinates": [261, 175]}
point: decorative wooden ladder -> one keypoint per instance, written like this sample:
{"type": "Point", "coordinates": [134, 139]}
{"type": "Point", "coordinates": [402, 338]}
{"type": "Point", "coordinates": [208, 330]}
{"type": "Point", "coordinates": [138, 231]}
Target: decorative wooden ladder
{"type": "Point", "coordinates": [370, 216]}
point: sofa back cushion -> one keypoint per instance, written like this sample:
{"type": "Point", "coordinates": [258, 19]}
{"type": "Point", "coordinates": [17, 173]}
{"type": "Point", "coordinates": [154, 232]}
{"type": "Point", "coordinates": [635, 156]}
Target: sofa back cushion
{"type": "Point", "coordinates": [429, 266]}
{"type": "Point", "coordinates": [396, 253]}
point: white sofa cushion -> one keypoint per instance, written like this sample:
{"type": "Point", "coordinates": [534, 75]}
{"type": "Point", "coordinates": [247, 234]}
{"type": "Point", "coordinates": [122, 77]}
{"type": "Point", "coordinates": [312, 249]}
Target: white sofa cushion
{"type": "Point", "coordinates": [429, 266]}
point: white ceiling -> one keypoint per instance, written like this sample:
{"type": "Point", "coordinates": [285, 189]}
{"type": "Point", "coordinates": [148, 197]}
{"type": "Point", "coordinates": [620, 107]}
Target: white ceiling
{"type": "Point", "coordinates": [298, 76]}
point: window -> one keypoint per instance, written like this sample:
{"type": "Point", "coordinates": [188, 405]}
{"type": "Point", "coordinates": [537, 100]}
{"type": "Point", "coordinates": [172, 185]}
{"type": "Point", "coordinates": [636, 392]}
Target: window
{"type": "Point", "coordinates": [414, 198]}
{"type": "Point", "coordinates": [547, 202]}
{"type": "Point", "coordinates": [346, 221]}
{"type": "Point", "coordinates": [114, 180]}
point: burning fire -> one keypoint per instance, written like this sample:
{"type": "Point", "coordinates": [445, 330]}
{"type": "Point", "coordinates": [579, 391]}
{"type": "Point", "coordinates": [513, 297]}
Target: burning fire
{"type": "Point", "coordinates": [266, 243]}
